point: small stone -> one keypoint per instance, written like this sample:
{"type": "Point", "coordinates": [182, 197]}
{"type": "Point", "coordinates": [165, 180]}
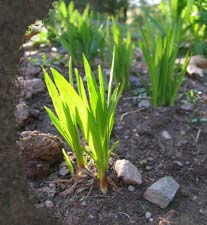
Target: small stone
{"type": "Point", "coordinates": [91, 217]}
{"type": "Point", "coordinates": [178, 163]}
{"type": "Point", "coordinates": [128, 172]}
{"type": "Point", "coordinates": [151, 219]}
{"type": "Point", "coordinates": [131, 188]}
{"type": "Point", "coordinates": [187, 107]}
{"type": "Point", "coordinates": [33, 87]}
{"type": "Point", "coordinates": [63, 171]}
{"type": "Point", "coordinates": [148, 215]}
{"type": "Point", "coordinates": [162, 192]}
{"type": "Point", "coordinates": [49, 204]}
{"type": "Point", "coordinates": [201, 211]}
{"type": "Point", "coordinates": [52, 185]}
{"type": "Point", "coordinates": [22, 113]}
{"type": "Point", "coordinates": [150, 159]}
{"type": "Point", "coordinates": [143, 162]}
{"type": "Point", "coordinates": [54, 49]}
{"type": "Point", "coordinates": [51, 195]}
{"type": "Point", "coordinates": [144, 103]}
{"type": "Point", "coordinates": [194, 198]}
{"type": "Point", "coordinates": [166, 135]}
{"type": "Point", "coordinates": [111, 161]}
{"type": "Point", "coordinates": [148, 167]}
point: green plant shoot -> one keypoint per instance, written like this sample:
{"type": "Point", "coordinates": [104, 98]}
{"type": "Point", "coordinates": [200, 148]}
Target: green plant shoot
{"type": "Point", "coordinates": [65, 121]}
{"type": "Point", "coordinates": [93, 114]}
{"type": "Point", "coordinates": [123, 53]}
{"type": "Point", "coordinates": [160, 50]}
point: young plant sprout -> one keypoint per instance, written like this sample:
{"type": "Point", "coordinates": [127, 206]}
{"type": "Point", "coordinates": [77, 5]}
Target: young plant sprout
{"type": "Point", "coordinates": [65, 121]}
{"type": "Point", "coordinates": [124, 49]}
{"type": "Point", "coordinates": [93, 114]}
{"type": "Point", "coordinates": [160, 48]}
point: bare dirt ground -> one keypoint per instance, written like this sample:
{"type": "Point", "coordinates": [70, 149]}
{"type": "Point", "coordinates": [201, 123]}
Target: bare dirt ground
{"type": "Point", "coordinates": [183, 156]}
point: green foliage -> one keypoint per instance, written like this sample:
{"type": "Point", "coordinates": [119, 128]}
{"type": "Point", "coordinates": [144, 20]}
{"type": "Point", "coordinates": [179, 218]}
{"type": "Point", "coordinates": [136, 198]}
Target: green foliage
{"type": "Point", "coordinates": [68, 162]}
{"type": "Point", "coordinates": [65, 121]}
{"type": "Point", "coordinates": [124, 49]}
{"type": "Point", "coordinates": [196, 28]}
{"type": "Point", "coordinates": [160, 47]}
{"type": "Point", "coordinates": [45, 61]}
{"type": "Point", "coordinates": [94, 115]}
{"type": "Point", "coordinates": [199, 120]}
{"type": "Point", "coordinates": [111, 7]}
{"type": "Point", "coordinates": [192, 96]}
{"type": "Point", "coordinates": [76, 32]}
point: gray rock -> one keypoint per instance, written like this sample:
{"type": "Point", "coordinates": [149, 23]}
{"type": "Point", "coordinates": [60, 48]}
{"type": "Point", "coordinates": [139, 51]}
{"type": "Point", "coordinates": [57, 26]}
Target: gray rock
{"type": "Point", "coordinates": [22, 114]}
{"type": "Point", "coordinates": [33, 87]}
{"type": "Point", "coordinates": [143, 162]}
{"type": "Point", "coordinates": [187, 107]}
{"type": "Point", "coordinates": [128, 172]}
{"type": "Point", "coordinates": [178, 163]}
{"type": "Point", "coordinates": [203, 211]}
{"type": "Point", "coordinates": [150, 159]}
{"type": "Point", "coordinates": [147, 167]}
{"type": "Point", "coordinates": [39, 151]}
{"type": "Point", "coordinates": [166, 135]}
{"type": "Point", "coordinates": [151, 220]}
{"type": "Point", "coordinates": [63, 171]}
{"type": "Point", "coordinates": [131, 188]}
{"type": "Point", "coordinates": [52, 185]}
{"type": "Point", "coordinates": [144, 103]}
{"type": "Point", "coordinates": [91, 217]}
{"type": "Point", "coordinates": [148, 215]}
{"type": "Point", "coordinates": [84, 203]}
{"type": "Point", "coordinates": [162, 192]}
{"type": "Point", "coordinates": [49, 204]}
{"type": "Point", "coordinates": [30, 70]}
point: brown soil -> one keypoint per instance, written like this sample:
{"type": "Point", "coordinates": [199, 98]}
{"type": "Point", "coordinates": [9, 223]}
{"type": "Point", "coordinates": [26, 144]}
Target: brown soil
{"type": "Point", "coordinates": [184, 157]}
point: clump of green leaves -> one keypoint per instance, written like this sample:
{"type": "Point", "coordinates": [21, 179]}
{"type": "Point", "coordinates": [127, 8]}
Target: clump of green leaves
{"type": "Point", "coordinates": [124, 49]}
{"type": "Point", "coordinates": [192, 96]}
{"type": "Point", "coordinates": [196, 27]}
{"type": "Point", "coordinates": [160, 47]}
{"type": "Point", "coordinates": [93, 114]}
{"type": "Point", "coordinates": [46, 61]}
{"type": "Point", "coordinates": [65, 119]}
{"type": "Point", "coordinates": [77, 32]}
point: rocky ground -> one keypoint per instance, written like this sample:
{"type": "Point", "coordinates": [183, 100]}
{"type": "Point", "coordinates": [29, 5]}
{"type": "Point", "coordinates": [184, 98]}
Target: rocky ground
{"type": "Point", "coordinates": [159, 142]}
